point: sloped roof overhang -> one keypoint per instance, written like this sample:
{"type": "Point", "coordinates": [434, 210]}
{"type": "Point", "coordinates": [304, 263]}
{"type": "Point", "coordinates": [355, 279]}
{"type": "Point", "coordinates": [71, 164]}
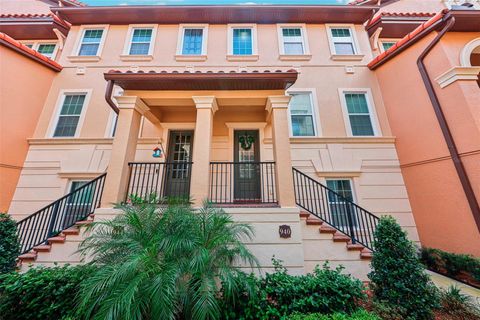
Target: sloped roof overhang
{"type": "Point", "coordinates": [279, 80]}
{"type": "Point", "coordinates": [265, 14]}
{"type": "Point", "coordinates": [396, 25]}
{"type": "Point", "coordinates": [32, 27]}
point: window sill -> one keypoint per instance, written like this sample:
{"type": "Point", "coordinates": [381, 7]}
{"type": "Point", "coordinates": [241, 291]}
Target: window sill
{"type": "Point", "coordinates": [233, 57]}
{"type": "Point", "coordinates": [128, 57]}
{"type": "Point", "coordinates": [83, 58]}
{"type": "Point", "coordinates": [347, 57]}
{"type": "Point", "coordinates": [295, 57]}
{"type": "Point", "coordinates": [185, 57]}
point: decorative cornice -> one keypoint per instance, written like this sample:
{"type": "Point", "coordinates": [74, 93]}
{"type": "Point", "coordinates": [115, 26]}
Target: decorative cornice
{"type": "Point", "coordinates": [80, 141]}
{"type": "Point", "coordinates": [457, 73]}
{"type": "Point", "coordinates": [349, 140]}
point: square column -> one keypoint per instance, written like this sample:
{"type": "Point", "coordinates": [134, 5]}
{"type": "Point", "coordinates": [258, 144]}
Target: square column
{"type": "Point", "coordinates": [277, 107]}
{"type": "Point", "coordinates": [206, 107]}
{"type": "Point", "coordinates": [123, 149]}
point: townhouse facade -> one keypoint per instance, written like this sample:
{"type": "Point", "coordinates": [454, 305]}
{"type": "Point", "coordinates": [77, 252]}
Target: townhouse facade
{"type": "Point", "coordinates": [270, 112]}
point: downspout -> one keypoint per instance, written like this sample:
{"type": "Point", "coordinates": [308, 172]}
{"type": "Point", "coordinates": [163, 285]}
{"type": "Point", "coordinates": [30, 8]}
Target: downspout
{"type": "Point", "coordinates": [447, 135]}
{"type": "Point", "coordinates": [108, 96]}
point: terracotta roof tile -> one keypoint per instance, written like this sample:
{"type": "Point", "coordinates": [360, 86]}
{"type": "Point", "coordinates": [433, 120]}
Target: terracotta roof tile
{"type": "Point", "coordinates": [30, 53]}
{"type": "Point", "coordinates": [407, 40]}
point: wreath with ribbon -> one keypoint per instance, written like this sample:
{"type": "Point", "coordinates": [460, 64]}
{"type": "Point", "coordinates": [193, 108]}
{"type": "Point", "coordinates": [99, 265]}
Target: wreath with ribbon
{"type": "Point", "coordinates": [246, 142]}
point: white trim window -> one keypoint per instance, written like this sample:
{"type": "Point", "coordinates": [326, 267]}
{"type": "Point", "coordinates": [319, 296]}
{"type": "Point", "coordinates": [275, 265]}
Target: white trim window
{"type": "Point", "coordinates": [47, 49]}
{"type": "Point", "coordinates": [342, 40]}
{"type": "Point", "coordinates": [386, 44]}
{"type": "Point", "coordinates": [359, 113]}
{"type": "Point", "coordinates": [140, 43]}
{"type": "Point", "coordinates": [242, 40]}
{"type": "Point", "coordinates": [68, 119]}
{"type": "Point", "coordinates": [302, 115]}
{"type": "Point", "coordinates": [193, 40]}
{"type": "Point", "coordinates": [293, 40]}
{"type": "Point", "coordinates": [342, 191]}
{"type": "Point", "coordinates": [91, 40]}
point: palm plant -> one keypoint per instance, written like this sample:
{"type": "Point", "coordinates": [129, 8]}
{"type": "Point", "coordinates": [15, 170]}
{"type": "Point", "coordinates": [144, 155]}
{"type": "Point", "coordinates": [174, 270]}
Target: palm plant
{"type": "Point", "coordinates": [163, 263]}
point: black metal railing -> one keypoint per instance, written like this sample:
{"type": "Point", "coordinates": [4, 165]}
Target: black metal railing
{"type": "Point", "coordinates": [242, 183]}
{"type": "Point", "coordinates": [334, 209]}
{"type": "Point", "coordinates": [60, 215]}
{"type": "Point", "coordinates": [156, 181]}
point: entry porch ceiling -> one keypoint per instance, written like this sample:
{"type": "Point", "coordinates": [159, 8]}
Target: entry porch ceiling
{"type": "Point", "coordinates": [203, 81]}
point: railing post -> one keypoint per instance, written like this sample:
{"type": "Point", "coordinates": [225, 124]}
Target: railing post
{"type": "Point", "coordinates": [350, 223]}
{"type": "Point", "coordinates": [53, 219]}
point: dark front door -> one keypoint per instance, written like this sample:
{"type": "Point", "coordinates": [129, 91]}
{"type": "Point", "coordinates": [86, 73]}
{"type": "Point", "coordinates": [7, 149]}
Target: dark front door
{"type": "Point", "coordinates": [247, 167]}
{"type": "Point", "coordinates": [178, 168]}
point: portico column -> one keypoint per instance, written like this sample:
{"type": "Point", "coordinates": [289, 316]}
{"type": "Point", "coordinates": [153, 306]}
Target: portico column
{"type": "Point", "coordinates": [277, 107]}
{"type": "Point", "coordinates": [206, 107]}
{"type": "Point", "coordinates": [123, 149]}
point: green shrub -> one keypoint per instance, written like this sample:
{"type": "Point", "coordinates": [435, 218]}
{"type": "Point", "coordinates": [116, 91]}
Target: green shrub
{"type": "Point", "coordinates": [398, 278]}
{"type": "Point", "coordinates": [358, 315]}
{"type": "Point", "coordinates": [41, 293]}
{"type": "Point", "coordinates": [451, 264]}
{"type": "Point", "coordinates": [279, 294]}
{"type": "Point", "coordinates": [458, 306]}
{"type": "Point", "coordinates": [9, 247]}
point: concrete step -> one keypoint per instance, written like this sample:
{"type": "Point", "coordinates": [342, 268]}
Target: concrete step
{"type": "Point", "coordinates": [327, 229]}
{"type": "Point", "coordinates": [42, 248]}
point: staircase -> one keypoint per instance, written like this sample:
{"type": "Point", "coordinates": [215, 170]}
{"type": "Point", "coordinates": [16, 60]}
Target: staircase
{"type": "Point", "coordinates": [335, 214]}
{"type": "Point", "coordinates": [59, 219]}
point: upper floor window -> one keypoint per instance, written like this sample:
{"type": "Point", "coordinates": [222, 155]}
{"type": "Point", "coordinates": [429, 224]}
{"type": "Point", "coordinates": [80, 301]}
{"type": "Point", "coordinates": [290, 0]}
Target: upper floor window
{"type": "Point", "coordinates": [292, 40]}
{"type": "Point", "coordinates": [387, 45]}
{"type": "Point", "coordinates": [359, 114]}
{"type": "Point", "coordinates": [192, 41]}
{"type": "Point", "coordinates": [242, 42]}
{"type": "Point", "coordinates": [302, 115]}
{"type": "Point", "coordinates": [342, 40]}
{"type": "Point", "coordinates": [90, 43]}
{"type": "Point", "coordinates": [47, 49]}
{"type": "Point", "coordinates": [69, 115]}
{"type": "Point", "coordinates": [141, 41]}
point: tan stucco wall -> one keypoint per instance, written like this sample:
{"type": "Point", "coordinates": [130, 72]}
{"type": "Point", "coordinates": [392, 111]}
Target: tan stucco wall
{"type": "Point", "coordinates": [371, 163]}
{"type": "Point", "coordinates": [441, 211]}
{"type": "Point", "coordinates": [24, 85]}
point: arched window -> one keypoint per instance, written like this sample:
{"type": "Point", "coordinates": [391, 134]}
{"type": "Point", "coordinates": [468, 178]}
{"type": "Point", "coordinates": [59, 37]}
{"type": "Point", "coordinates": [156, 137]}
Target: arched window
{"type": "Point", "coordinates": [470, 56]}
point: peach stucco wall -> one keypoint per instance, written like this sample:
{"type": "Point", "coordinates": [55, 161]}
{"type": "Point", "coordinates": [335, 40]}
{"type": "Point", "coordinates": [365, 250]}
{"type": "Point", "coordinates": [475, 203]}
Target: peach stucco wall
{"type": "Point", "coordinates": [371, 163]}
{"type": "Point", "coordinates": [440, 207]}
{"type": "Point", "coordinates": [24, 85]}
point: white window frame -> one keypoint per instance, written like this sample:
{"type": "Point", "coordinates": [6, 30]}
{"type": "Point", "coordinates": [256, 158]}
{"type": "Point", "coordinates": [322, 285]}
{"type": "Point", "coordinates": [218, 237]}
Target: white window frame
{"type": "Point", "coordinates": [317, 128]}
{"type": "Point", "coordinates": [36, 43]}
{"type": "Point", "coordinates": [281, 39]}
{"type": "Point", "coordinates": [236, 57]}
{"type": "Point", "coordinates": [352, 187]}
{"type": "Point", "coordinates": [377, 132]}
{"type": "Point", "coordinates": [58, 108]}
{"type": "Point", "coordinates": [128, 39]}
{"type": "Point", "coordinates": [81, 34]}
{"type": "Point", "coordinates": [384, 40]}
{"type": "Point", "coordinates": [356, 47]}
{"type": "Point", "coordinates": [181, 36]}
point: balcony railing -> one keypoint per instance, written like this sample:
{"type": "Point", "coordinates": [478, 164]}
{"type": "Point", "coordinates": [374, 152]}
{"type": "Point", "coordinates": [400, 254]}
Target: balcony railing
{"type": "Point", "coordinates": [159, 180]}
{"type": "Point", "coordinates": [335, 210]}
{"type": "Point", "coordinates": [60, 215]}
{"type": "Point", "coordinates": [242, 183]}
